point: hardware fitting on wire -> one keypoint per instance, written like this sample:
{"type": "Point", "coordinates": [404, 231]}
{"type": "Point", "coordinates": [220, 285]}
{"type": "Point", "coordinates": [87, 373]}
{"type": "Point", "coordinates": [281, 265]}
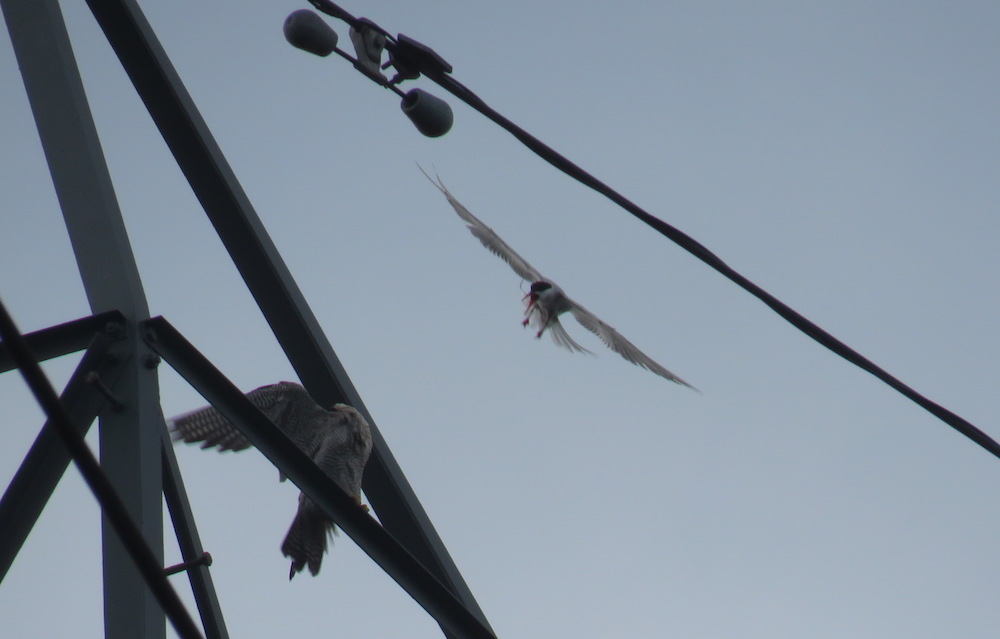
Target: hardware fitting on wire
{"type": "Point", "coordinates": [306, 30]}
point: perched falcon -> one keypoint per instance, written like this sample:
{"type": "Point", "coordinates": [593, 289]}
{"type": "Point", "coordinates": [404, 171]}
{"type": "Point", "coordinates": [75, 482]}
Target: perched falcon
{"type": "Point", "coordinates": [546, 301]}
{"type": "Point", "coordinates": [338, 440]}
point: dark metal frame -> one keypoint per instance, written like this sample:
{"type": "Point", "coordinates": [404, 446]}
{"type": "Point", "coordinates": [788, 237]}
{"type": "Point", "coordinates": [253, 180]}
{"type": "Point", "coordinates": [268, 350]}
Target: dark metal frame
{"type": "Point", "coordinates": [47, 460]}
{"type": "Point", "coordinates": [116, 515]}
{"type": "Point", "coordinates": [135, 451]}
{"type": "Point", "coordinates": [388, 552]}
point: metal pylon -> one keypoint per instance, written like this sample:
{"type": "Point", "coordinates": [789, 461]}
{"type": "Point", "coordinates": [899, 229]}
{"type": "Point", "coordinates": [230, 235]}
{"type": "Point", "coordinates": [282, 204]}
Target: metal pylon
{"type": "Point", "coordinates": [124, 344]}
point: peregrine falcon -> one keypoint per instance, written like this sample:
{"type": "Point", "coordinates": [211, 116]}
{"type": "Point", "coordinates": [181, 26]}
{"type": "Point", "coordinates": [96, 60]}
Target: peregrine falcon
{"type": "Point", "coordinates": [546, 301]}
{"type": "Point", "coordinates": [338, 440]}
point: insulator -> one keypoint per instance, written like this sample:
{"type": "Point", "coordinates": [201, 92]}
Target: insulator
{"type": "Point", "coordinates": [309, 32]}
{"type": "Point", "coordinates": [431, 115]}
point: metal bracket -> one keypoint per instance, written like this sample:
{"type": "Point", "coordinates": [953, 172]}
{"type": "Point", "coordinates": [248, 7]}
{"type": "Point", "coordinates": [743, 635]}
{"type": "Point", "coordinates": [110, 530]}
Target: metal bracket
{"type": "Point", "coordinates": [204, 560]}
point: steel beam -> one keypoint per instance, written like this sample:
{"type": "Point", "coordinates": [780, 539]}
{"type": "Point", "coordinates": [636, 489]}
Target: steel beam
{"type": "Point", "coordinates": [190, 545]}
{"type": "Point", "coordinates": [48, 458]}
{"type": "Point", "coordinates": [372, 538]}
{"type": "Point", "coordinates": [112, 506]}
{"type": "Point", "coordinates": [66, 338]}
{"type": "Point", "coordinates": [129, 438]}
{"type": "Point", "coordinates": [254, 254]}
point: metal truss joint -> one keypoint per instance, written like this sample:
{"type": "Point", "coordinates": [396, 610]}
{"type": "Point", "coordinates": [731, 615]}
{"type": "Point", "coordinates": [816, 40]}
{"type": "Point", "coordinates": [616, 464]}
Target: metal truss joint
{"type": "Point", "coordinates": [115, 330]}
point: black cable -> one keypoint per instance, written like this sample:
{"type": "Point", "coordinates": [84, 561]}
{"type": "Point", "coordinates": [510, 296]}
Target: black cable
{"type": "Point", "coordinates": [111, 504]}
{"type": "Point", "coordinates": [689, 244]}
{"type": "Point", "coordinates": [417, 56]}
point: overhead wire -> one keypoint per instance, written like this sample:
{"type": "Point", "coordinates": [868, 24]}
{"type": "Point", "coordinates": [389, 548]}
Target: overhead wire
{"type": "Point", "coordinates": [697, 249]}
{"type": "Point", "coordinates": [418, 57]}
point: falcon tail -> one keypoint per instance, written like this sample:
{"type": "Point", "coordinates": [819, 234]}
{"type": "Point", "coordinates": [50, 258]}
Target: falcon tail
{"type": "Point", "coordinates": [307, 538]}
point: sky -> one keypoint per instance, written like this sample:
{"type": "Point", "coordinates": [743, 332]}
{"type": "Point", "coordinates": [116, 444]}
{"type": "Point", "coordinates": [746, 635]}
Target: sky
{"type": "Point", "coordinates": [844, 156]}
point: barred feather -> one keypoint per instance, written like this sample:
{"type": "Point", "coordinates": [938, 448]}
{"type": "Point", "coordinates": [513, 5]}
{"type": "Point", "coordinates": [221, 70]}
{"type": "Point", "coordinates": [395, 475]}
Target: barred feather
{"type": "Point", "coordinates": [338, 440]}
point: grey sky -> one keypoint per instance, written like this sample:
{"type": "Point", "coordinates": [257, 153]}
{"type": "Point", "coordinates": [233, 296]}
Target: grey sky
{"type": "Point", "coordinates": [843, 156]}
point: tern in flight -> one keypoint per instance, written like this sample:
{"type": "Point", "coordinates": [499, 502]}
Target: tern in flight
{"type": "Point", "coordinates": [545, 302]}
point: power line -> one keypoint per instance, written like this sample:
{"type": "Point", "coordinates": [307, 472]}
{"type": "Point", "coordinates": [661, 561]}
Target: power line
{"type": "Point", "coordinates": [412, 58]}
{"type": "Point", "coordinates": [701, 252]}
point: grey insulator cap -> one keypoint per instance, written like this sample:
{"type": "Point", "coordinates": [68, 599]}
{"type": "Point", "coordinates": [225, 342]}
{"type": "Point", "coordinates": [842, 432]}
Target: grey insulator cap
{"type": "Point", "coordinates": [431, 115]}
{"type": "Point", "coordinates": [305, 30]}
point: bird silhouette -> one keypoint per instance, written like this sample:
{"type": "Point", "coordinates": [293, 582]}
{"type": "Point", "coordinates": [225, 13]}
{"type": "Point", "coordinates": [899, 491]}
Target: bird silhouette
{"type": "Point", "coordinates": [338, 439]}
{"type": "Point", "coordinates": [546, 301]}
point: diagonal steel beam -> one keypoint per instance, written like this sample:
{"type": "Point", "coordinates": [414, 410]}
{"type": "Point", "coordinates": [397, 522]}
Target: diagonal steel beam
{"type": "Point", "coordinates": [48, 458]}
{"type": "Point", "coordinates": [381, 546]}
{"type": "Point", "coordinates": [66, 338]}
{"type": "Point", "coordinates": [254, 254]}
{"type": "Point", "coordinates": [190, 544]}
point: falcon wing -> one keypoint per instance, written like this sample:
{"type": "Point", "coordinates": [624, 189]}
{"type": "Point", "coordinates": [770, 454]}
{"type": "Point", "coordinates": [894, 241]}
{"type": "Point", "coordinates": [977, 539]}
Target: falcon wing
{"type": "Point", "coordinates": [208, 426]}
{"type": "Point", "coordinates": [616, 342]}
{"type": "Point", "coordinates": [211, 428]}
{"type": "Point", "coordinates": [488, 236]}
